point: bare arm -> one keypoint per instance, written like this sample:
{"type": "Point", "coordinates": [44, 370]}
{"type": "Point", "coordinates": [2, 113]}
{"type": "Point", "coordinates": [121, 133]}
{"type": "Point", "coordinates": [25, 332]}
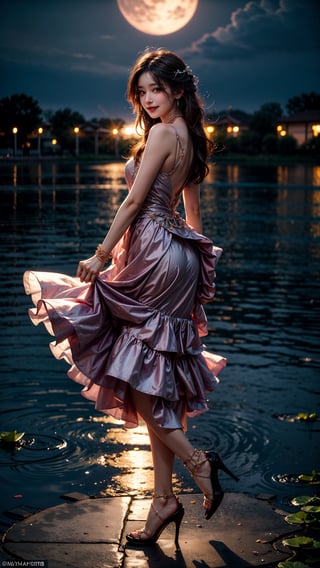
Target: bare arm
{"type": "Point", "coordinates": [191, 200]}
{"type": "Point", "coordinates": [158, 148]}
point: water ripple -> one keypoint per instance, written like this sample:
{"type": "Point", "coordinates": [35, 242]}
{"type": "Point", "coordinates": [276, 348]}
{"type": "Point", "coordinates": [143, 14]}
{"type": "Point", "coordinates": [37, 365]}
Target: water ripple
{"type": "Point", "coordinates": [265, 319]}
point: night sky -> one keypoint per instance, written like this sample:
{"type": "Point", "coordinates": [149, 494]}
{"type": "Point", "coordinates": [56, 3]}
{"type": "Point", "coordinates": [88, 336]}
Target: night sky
{"type": "Point", "coordinates": [78, 53]}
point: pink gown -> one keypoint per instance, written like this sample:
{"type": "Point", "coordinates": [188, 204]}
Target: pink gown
{"type": "Point", "coordinates": [138, 326]}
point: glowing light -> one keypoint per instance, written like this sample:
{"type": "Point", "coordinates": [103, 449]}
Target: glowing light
{"type": "Point", "coordinates": [316, 129]}
{"type": "Point", "coordinates": [279, 127]}
{"type": "Point", "coordinates": [229, 129]}
{"type": "Point", "coordinates": [115, 131]}
{"type": "Point", "coordinates": [15, 131]}
{"type": "Point", "coordinates": [210, 129]}
{"type": "Point", "coordinates": [40, 131]}
{"type": "Point", "coordinates": [129, 131]}
{"type": "Point", "coordinates": [283, 133]}
{"type": "Point", "coordinates": [236, 129]}
{"type": "Point", "coordinates": [54, 142]}
{"type": "Point", "coordinates": [76, 130]}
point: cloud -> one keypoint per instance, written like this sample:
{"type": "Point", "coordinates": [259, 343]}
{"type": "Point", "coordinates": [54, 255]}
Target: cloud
{"type": "Point", "coordinates": [100, 68]}
{"type": "Point", "coordinates": [262, 26]}
{"type": "Point", "coordinates": [82, 55]}
{"type": "Point", "coordinates": [44, 57]}
{"type": "Point", "coordinates": [107, 37]}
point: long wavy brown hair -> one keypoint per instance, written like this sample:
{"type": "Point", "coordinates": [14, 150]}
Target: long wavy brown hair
{"type": "Point", "coordinates": [169, 71]}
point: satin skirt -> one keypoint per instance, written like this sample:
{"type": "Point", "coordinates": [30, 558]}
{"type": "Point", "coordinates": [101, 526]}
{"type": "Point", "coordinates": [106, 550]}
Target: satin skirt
{"type": "Point", "coordinates": [139, 325]}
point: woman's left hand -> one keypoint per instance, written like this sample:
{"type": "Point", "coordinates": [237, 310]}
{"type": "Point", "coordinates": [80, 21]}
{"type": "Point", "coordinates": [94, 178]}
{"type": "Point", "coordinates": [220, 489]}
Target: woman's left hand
{"type": "Point", "coordinates": [89, 269]}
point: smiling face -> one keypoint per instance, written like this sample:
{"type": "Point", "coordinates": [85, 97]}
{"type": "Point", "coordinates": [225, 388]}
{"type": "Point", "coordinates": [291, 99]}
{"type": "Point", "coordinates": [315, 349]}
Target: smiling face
{"type": "Point", "coordinates": [158, 101]}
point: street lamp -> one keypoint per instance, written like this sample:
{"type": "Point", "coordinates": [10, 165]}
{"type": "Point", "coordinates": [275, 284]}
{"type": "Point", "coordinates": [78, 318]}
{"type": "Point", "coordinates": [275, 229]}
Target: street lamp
{"type": "Point", "coordinates": [54, 143]}
{"type": "Point", "coordinates": [76, 131]}
{"type": "Point", "coordinates": [40, 131]}
{"type": "Point", "coordinates": [15, 132]}
{"type": "Point", "coordinates": [115, 133]}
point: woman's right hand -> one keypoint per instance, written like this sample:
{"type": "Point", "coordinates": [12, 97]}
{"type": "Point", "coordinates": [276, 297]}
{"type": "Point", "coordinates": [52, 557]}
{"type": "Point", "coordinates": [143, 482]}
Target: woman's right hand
{"type": "Point", "coordinates": [89, 269]}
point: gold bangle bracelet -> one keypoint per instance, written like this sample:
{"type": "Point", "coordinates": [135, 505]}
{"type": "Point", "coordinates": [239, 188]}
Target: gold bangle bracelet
{"type": "Point", "coordinates": [102, 254]}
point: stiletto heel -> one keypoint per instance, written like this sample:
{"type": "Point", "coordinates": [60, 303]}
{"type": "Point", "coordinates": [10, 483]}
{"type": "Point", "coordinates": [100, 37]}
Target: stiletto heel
{"type": "Point", "coordinates": [176, 518]}
{"type": "Point", "coordinates": [216, 463]}
{"type": "Point", "coordinates": [178, 521]}
{"type": "Point", "coordinates": [213, 457]}
{"type": "Point", "coordinates": [198, 458]}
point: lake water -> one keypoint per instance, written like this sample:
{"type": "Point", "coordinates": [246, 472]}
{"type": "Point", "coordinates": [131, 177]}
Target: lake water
{"type": "Point", "coordinates": [265, 319]}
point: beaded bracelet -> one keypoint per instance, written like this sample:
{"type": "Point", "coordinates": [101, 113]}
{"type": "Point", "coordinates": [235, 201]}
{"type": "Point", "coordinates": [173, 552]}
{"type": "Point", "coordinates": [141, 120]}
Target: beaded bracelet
{"type": "Point", "coordinates": [102, 254]}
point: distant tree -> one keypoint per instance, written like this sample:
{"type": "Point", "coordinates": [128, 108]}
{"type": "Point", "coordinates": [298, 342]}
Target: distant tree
{"type": "Point", "coordinates": [270, 143]}
{"type": "Point", "coordinates": [63, 123]}
{"type": "Point", "coordinates": [264, 120]}
{"type": "Point", "coordinates": [232, 144]}
{"type": "Point", "coordinates": [105, 122]}
{"type": "Point", "coordinates": [311, 147]}
{"type": "Point", "coordinates": [287, 145]}
{"type": "Point", "coordinates": [306, 101]}
{"type": "Point", "coordinates": [18, 111]}
{"type": "Point", "coordinates": [219, 139]}
{"type": "Point", "coordinates": [249, 142]}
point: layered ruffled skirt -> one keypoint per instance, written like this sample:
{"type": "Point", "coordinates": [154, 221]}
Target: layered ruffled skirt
{"type": "Point", "coordinates": [138, 326]}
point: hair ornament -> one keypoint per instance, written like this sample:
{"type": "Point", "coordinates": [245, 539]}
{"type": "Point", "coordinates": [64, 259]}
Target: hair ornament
{"type": "Point", "coordinates": [186, 73]}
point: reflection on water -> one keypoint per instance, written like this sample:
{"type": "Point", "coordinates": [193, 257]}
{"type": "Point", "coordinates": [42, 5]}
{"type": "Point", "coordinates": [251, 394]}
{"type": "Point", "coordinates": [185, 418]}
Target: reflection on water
{"type": "Point", "coordinates": [288, 175]}
{"type": "Point", "coordinates": [265, 320]}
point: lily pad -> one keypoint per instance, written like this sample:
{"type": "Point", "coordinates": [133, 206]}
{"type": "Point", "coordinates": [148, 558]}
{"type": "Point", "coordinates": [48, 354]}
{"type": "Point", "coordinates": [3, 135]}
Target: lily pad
{"type": "Point", "coordinates": [311, 509]}
{"type": "Point", "coordinates": [313, 479]}
{"type": "Point", "coordinates": [298, 542]}
{"type": "Point", "coordinates": [299, 518]}
{"type": "Point", "coordinates": [305, 417]}
{"type": "Point", "coordinates": [291, 564]}
{"type": "Point", "coordinates": [304, 500]}
{"type": "Point", "coordinates": [11, 437]}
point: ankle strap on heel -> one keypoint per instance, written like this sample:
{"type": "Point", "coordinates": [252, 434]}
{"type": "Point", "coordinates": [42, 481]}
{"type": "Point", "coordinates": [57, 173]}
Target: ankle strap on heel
{"type": "Point", "coordinates": [157, 496]}
{"type": "Point", "coordinates": [197, 458]}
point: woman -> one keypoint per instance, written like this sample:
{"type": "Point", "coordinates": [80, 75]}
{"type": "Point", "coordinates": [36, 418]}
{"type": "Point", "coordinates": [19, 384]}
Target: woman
{"type": "Point", "coordinates": [131, 333]}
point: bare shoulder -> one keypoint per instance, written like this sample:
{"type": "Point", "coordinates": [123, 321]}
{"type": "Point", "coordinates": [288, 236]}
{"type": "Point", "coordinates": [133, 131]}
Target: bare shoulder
{"type": "Point", "coordinates": [161, 139]}
{"type": "Point", "coordinates": [162, 130]}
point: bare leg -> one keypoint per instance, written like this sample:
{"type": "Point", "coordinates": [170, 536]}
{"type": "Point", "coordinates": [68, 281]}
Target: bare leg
{"type": "Point", "coordinates": [173, 439]}
{"type": "Point", "coordinates": [165, 444]}
{"type": "Point", "coordinates": [163, 459]}
{"type": "Point", "coordinates": [164, 502]}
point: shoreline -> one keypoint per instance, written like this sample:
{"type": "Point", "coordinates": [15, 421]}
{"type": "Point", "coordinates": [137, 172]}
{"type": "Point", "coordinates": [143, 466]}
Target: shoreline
{"type": "Point", "coordinates": [265, 159]}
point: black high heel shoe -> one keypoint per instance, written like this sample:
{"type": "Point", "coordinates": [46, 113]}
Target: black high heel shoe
{"type": "Point", "coordinates": [176, 518]}
{"type": "Point", "coordinates": [212, 499]}
{"type": "Point", "coordinates": [216, 463]}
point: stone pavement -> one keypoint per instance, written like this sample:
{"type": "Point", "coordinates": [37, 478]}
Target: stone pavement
{"type": "Point", "coordinates": [90, 533]}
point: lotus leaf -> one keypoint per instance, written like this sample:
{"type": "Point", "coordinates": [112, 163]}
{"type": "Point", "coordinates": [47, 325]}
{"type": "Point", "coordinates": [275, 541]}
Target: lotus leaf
{"type": "Point", "coordinates": [291, 564]}
{"type": "Point", "coordinates": [303, 500]}
{"type": "Point", "coordinates": [11, 437]}
{"type": "Point", "coordinates": [311, 509]}
{"type": "Point", "coordinates": [299, 542]}
{"type": "Point", "coordinates": [297, 518]}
